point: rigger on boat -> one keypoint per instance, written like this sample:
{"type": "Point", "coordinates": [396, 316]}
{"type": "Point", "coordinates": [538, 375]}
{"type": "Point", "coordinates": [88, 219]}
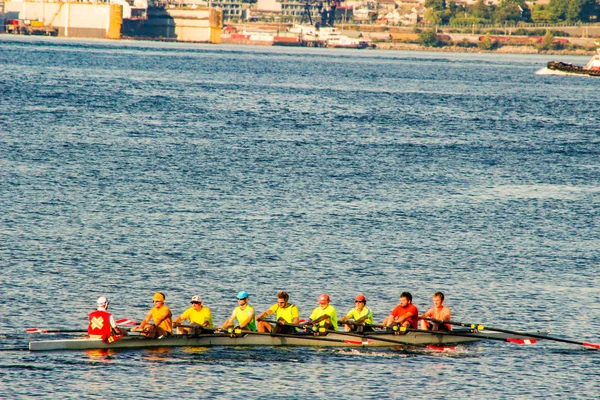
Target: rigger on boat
{"type": "Point", "coordinates": [320, 330]}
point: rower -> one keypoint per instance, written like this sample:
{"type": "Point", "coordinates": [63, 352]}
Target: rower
{"type": "Point", "coordinates": [102, 324]}
{"type": "Point", "coordinates": [285, 313]}
{"type": "Point", "coordinates": [198, 315]}
{"type": "Point", "coordinates": [324, 316]}
{"type": "Point", "coordinates": [404, 314]}
{"type": "Point", "coordinates": [439, 311]}
{"type": "Point", "coordinates": [161, 316]}
{"type": "Point", "coordinates": [361, 314]}
{"type": "Point", "coordinates": [243, 313]}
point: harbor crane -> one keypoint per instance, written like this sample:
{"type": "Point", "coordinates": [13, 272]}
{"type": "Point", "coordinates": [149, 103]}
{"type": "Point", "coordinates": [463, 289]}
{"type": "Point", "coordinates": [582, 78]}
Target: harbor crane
{"type": "Point", "coordinates": [326, 10]}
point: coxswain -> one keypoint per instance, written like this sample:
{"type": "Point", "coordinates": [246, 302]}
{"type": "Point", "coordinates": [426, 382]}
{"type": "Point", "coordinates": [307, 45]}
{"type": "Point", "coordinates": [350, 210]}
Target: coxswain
{"type": "Point", "coordinates": [243, 314]}
{"type": "Point", "coordinates": [102, 325]}
{"type": "Point", "coordinates": [404, 314]}
{"type": "Point", "coordinates": [161, 317]}
{"type": "Point", "coordinates": [439, 311]}
{"type": "Point", "coordinates": [324, 316]}
{"type": "Point", "coordinates": [361, 314]}
{"type": "Point", "coordinates": [285, 313]}
{"type": "Point", "coordinates": [198, 315]}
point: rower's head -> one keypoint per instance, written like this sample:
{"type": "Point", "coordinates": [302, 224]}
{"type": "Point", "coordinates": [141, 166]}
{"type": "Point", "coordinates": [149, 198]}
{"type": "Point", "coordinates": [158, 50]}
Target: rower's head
{"type": "Point", "coordinates": [324, 300]}
{"type": "Point", "coordinates": [158, 299]}
{"type": "Point", "coordinates": [438, 299]}
{"type": "Point", "coordinates": [282, 299]}
{"type": "Point", "coordinates": [242, 297]}
{"type": "Point", "coordinates": [102, 302]}
{"type": "Point", "coordinates": [405, 299]}
{"type": "Point", "coordinates": [196, 302]}
{"type": "Point", "coordinates": [360, 300]}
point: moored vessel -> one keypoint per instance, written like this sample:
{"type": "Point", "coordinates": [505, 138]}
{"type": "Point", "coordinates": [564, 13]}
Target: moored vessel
{"type": "Point", "coordinates": [592, 68]}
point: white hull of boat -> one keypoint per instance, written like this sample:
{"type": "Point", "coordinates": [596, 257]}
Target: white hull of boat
{"type": "Point", "coordinates": [266, 339]}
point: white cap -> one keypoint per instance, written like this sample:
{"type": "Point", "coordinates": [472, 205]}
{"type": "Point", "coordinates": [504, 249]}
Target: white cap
{"type": "Point", "coordinates": [196, 299]}
{"type": "Point", "coordinates": [102, 301]}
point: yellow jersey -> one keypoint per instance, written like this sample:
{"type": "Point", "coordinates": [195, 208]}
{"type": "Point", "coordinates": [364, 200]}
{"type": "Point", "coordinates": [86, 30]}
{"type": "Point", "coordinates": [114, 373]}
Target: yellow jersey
{"type": "Point", "coordinates": [356, 315]}
{"type": "Point", "coordinates": [199, 317]}
{"type": "Point", "coordinates": [287, 314]}
{"type": "Point", "coordinates": [329, 310]}
{"type": "Point", "coordinates": [242, 315]}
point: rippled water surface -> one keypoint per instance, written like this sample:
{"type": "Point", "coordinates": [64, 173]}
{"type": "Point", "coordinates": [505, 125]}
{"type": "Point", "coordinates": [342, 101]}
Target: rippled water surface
{"type": "Point", "coordinates": [132, 167]}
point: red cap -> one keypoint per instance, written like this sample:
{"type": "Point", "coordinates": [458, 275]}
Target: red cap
{"type": "Point", "coordinates": [360, 297]}
{"type": "Point", "coordinates": [324, 298]}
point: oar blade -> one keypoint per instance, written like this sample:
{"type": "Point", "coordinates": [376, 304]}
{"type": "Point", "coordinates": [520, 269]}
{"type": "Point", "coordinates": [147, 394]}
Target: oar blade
{"type": "Point", "coordinates": [521, 341]}
{"type": "Point", "coordinates": [35, 330]}
{"type": "Point", "coordinates": [125, 322]}
{"type": "Point", "coordinates": [592, 345]}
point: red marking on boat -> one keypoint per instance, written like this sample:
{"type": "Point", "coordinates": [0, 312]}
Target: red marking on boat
{"type": "Point", "coordinates": [363, 342]}
{"type": "Point", "coordinates": [521, 341]}
{"type": "Point", "coordinates": [440, 348]}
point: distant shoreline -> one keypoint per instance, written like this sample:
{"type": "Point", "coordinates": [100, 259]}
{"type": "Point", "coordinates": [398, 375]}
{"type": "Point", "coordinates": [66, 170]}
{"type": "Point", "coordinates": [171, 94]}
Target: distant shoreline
{"type": "Point", "coordinates": [459, 49]}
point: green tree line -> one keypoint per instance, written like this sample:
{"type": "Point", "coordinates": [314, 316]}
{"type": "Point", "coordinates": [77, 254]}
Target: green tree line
{"type": "Point", "coordinates": [557, 11]}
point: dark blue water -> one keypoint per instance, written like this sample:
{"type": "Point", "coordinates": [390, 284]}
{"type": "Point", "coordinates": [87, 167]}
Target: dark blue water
{"type": "Point", "coordinates": [132, 167]}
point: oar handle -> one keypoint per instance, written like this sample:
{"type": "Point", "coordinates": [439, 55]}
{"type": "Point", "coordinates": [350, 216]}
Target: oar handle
{"type": "Point", "coordinates": [349, 322]}
{"type": "Point", "coordinates": [287, 323]}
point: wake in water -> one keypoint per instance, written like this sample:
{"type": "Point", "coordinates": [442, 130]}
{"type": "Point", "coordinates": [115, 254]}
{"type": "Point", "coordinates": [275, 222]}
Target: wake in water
{"type": "Point", "coordinates": [547, 71]}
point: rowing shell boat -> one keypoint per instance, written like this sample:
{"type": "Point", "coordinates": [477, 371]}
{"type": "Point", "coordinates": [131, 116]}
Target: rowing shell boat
{"type": "Point", "coordinates": [374, 339]}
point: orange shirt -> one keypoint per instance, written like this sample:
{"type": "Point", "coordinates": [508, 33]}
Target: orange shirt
{"type": "Point", "coordinates": [160, 313]}
{"type": "Point", "coordinates": [400, 311]}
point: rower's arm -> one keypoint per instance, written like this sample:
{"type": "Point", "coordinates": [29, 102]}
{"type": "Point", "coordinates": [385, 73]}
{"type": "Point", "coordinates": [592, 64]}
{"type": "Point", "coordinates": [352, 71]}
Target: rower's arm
{"type": "Point", "coordinates": [146, 320]}
{"type": "Point", "coordinates": [208, 318]}
{"type": "Point", "coordinates": [404, 317]}
{"type": "Point", "coordinates": [265, 314]}
{"type": "Point", "coordinates": [229, 321]}
{"type": "Point", "coordinates": [321, 318]}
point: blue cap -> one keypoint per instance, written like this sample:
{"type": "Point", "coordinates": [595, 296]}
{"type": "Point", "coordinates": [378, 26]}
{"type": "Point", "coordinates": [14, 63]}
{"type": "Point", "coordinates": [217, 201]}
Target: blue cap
{"type": "Point", "coordinates": [242, 295]}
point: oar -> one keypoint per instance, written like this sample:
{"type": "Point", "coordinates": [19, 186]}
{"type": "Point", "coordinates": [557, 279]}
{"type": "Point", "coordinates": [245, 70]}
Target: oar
{"type": "Point", "coordinates": [38, 330]}
{"type": "Point", "coordinates": [477, 335]}
{"type": "Point", "coordinates": [366, 336]}
{"type": "Point", "coordinates": [305, 337]}
{"type": "Point", "coordinates": [120, 322]}
{"type": "Point", "coordinates": [480, 327]}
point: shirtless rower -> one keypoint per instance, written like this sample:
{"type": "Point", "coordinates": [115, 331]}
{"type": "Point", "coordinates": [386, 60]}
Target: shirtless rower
{"type": "Point", "coordinates": [360, 314]}
{"type": "Point", "coordinates": [243, 314]}
{"type": "Point", "coordinates": [285, 313]}
{"type": "Point", "coordinates": [404, 314]}
{"type": "Point", "coordinates": [439, 311]}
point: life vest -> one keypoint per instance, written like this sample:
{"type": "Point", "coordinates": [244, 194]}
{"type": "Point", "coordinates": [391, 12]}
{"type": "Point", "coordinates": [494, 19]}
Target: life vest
{"type": "Point", "coordinates": [99, 327]}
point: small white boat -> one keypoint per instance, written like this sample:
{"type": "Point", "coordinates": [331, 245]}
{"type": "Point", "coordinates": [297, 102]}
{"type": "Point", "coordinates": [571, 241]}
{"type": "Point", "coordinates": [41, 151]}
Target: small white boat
{"type": "Point", "coordinates": [374, 339]}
